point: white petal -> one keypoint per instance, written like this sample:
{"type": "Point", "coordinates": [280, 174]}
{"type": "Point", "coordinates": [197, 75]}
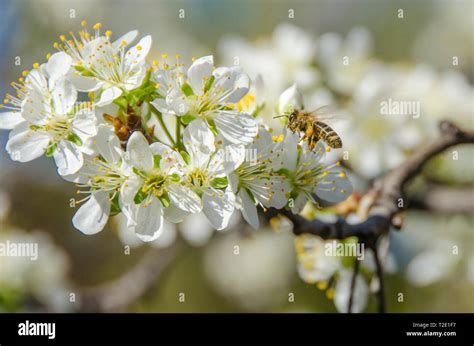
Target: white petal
{"type": "Point", "coordinates": [108, 96]}
{"type": "Point", "coordinates": [218, 207]}
{"type": "Point", "coordinates": [35, 109]}
{"type": "Point", "coordinates": [184, 198]}
{"type": "Point", "coordinates": [93, 215]}
{"type": "Point", "coordinates": [64, 96]}
{"type": "Point", "coordinates": [139, 153]}
{"type": "Point", "coordinates": [171, 161]}
{"type": "Point", "coordinates": [290, 100]}
{"type": "Point", "coordinates": [25, 145]}
{"type": "Point", "coordinates": [138, 53]}
{"type": "Point", "coordinates": [198, 137]}
{"type": "Point", "coordinates": [84, 83]}
{"type": "Point", "coordinates": [58, 66]}
{"type": "Point", "coordinates": [108, 144]}
{"type": "Point", "coordinates": [237, 128]}
{"type": "Point", "coordinates": [334, 187]}
{"type": "Point", "coordinates": [149, 220]}
{"type": "Point", "coordinates": [199, 73]}
{"type": "Point", "coordinates": [234, 83]}
{"type": "Point", "coordinates": [249, 209]}
{"type": "Point", "coordinates": [129, 189]}
{"type": "Point", "coordinates": [8, 120]}
{"type": "Point", "coordinates": [128, 38]}
{"type": "Point", "coordinates": [68, 158]}
{"type": "Point", "coordinates": [299, 203]}
{"type": "Point", "coordinates": [84, 125]}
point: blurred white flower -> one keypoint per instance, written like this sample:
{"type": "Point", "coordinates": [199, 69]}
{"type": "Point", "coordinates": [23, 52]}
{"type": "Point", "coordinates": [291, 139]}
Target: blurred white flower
{"type": "Point", "coordinates": [254, 271]}
{"type": "Point", "coordinates": [344, 62]}
{"type": "Point", "coordinates": [343, 291]}
{"type": "Point", "coordinates": [45, 278]}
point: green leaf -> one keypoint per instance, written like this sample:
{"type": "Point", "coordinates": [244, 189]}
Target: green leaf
{"type": "Point", "coordinates": [72, 137]}
{"type": "Point", "coordinates": [140, 197]}
{"type": "Point", "coordinates": [186, 89]}
{"type": "Point", "coordinates": [219, 183]}
{"type": "Point", "coordinates": [51, 148]}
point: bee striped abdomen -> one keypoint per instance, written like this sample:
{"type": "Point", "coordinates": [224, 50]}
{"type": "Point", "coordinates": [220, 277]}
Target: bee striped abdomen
{"type": "Point", "coordinates": [327, 134]}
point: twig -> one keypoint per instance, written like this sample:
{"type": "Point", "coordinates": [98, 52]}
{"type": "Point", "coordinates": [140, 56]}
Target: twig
{"type": "Point", "coordinates": [381, 291]}
{"type": "Point", "coordinates": [353, 284]}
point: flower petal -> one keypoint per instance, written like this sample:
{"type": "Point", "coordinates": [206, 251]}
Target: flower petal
{"type": "Point", "coordinates": [68, 158]}
{"type": "Point", "coordinates": [64, 96]}
{"type": "Point", "coordinates": [25, 145]}
{"type": "Point", "coordinates": [334, 185]}
{"type": "Point", "coordinates": [108, 144]}
{"type": "Point", "coordinates": [249, 209]}
{"type": "Point", "coordinates": [93, 215]}
{"type": "Point", "coordinates": [139, 153]}
{"type": "Point", "coordinates": [84, 83]}
{"type": "Point", "coordinates": [84, 125]}
{"type": "Point", "coordinates": [125, 39]}
{"type": "Point", "coordinates": [149, 217]}
{"type": "Point", "coordinates": [199, 73]}
{"type": "Point", "coordinates": [138, 53]}
{"type": "Point", "coordinates": [237, 128]}
{"type": "Point", "coordinates": [8, 120]}
{"type": "Point", "coordinates": [218, 207]}
{"type": "Point", "coordinates": [198, 138]}
{"type": "Point", "coordinates": [108, 96]}
{"type": "Point", "coordinates": [184, 198]}
{"type": "Point", "coordinates": [57, 67]}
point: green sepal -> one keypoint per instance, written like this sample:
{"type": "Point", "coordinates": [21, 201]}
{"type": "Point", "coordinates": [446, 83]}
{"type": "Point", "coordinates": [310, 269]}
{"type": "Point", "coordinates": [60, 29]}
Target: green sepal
{"type": "Point", "coordinates": [185, 157]}
{"type": "Point", "coordinates": [156, 160]}
{"type": "Point", "coordinates": [114, 205]}
{"type": "Point", "coordinates": [72, 137]}
{"type": "Point", "coordinates": [187, 90]}
{"type": "Point", "coordinates": [50, 150]}
{"type": "Point", "coordinates": [186, 119]}
{"type": "Point", "coordinates": [220, 182]}
{"type": "Point", "coordinates": [140, 197]}
{"type": "Point", "coordinates": [209, 83]}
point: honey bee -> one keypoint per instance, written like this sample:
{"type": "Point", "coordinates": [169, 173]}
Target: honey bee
{"type": "Point", "coordinates": [312, 127]}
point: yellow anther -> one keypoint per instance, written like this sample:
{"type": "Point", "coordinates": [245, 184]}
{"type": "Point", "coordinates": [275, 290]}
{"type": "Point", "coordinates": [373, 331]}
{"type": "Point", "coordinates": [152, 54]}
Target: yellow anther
{"type": "Point", "coordinates": [139, 47]}
{"type": "Point", "coordinates": [25, 73]}
{"type": "Point", "coordinates": [123, 43]}
{"type": "Point", "coordinates": [108, 33]}
{"type": "Point", "coordinates": [278, 139]}
{"type": "Point", "coordinates": [48, 56]}
{"type": "Point", "coordinates": [178, 56]}
{"type": "Point", "coordinates": [157, 85]}
{"type": "Point", "coordinates": [83, 23]}
{"type": "Point", "coordinates": [193, 58]}
{"type": "Point", "coordinates": [97, 26]}
{"type": "Point", "coordinates": [62, 38]}
{"type": "Point", "coordinates": [56, 45]}
{"type": "Point", "coordinates": [164, 56]}
{"type": "Point", "coordinates": [36, 65]}
{"type": "Point", "coordinates": [342, 174]}
{"type": "Point", "coordinates": [328, 149]}
{"type": "Point", "coordinates": [155, 62]}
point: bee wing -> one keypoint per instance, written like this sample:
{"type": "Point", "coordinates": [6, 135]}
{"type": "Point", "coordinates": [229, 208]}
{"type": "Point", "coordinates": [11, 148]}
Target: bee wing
{"type": "Point", "coordinates": [329, 113]}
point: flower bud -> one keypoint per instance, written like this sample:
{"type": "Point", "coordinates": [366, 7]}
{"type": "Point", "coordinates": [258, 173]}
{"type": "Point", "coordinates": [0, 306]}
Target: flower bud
{"type": "Point", "coordinates": [290, 100]}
